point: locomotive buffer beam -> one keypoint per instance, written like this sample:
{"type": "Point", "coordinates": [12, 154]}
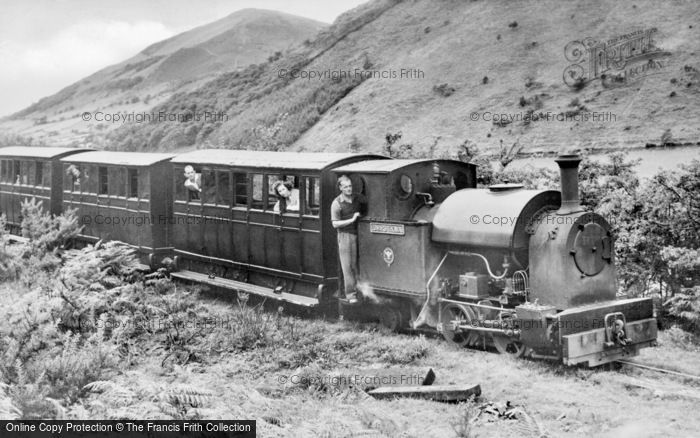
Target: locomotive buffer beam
{"type": "Point", "coordinates": [241, 286]}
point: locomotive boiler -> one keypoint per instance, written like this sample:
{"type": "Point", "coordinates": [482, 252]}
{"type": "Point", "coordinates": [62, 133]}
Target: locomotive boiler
{"type": "Point", "coordinates": [527, 271]}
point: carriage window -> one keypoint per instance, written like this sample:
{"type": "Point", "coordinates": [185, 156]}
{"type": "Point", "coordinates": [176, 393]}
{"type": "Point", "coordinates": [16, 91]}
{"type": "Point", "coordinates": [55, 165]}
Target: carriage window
{"type": "Point", "coordinates": [117, 181]}
{"type": "Point", "coordinates": [313, 195]}
{"type": "Point", "coordinates": [67, 179]}
{"type": "Point", "coordinates": [46, 174]}
{"type": "Point", "coordinates": [27, 172]}
{"type": "Point", "coordinates": [271, 195]}
{"type": "Point", "coordinates": [16, 172]}
{"type": "Point", "coordinates": [240, 183]}
{"type": "Point", "coordinates": [189, 183]}
{"type": "Point", "coordinates": [223, 192]}
{"type": "Point", "coordinates": [71, 181]}
{"type": "Point", "coordinates": [103, 183]}
{"type": "Point", "coordinates": [144, 183]}
{"type": "Point", "coordinates": [3, 171]}
{"type": "Point", "coordinates": [291, 203]}
{"type": "Point", "coordinates": [88, 179]}
{"type": "Point", "coordinates": [133, 178]}
{"type": "Point", "coordinates": [38, 173]}
{"type": "Point", "coordinates": [257, 192]}
{"type": "Point", "coordinates": [209, 186]}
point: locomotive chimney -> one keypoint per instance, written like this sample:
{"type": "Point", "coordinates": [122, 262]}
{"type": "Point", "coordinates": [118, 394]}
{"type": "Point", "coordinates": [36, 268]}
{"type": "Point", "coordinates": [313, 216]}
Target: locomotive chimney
{"type": "Point", "coordinates": [568, 167]}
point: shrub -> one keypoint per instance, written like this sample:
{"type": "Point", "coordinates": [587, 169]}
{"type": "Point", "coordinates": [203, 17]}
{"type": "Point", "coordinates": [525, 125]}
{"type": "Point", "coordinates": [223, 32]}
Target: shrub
{"type": "Point", "coordinates": [685, 307]}
{"type": "Point", "coordinates": [29, 399]}
{"type": "Point", "coordinates": [76, 362]}
{"type": "Point", "coordinates": [44, 231]}
{"type": "Point", "coordinates": [402, 151]}
{"type": "Point", "coordinates": [444, 90]}
{"type": "Point", "coordinates": [10, 264]}
{"type": "Point", "coordinates": [8, 410]}
{"type": "Point", "coordinates": [90, 280]}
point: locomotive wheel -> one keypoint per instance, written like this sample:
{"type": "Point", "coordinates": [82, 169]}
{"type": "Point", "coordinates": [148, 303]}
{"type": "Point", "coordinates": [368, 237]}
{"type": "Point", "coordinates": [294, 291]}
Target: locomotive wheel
{"type": "Point", "coordinates": [454, 312]}
{"type": "Point", "coordinates": [505, 345]}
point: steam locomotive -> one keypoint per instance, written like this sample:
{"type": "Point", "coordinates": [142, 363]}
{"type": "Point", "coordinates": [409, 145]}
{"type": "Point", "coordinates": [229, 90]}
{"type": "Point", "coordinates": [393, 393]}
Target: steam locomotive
{"type": "Point", "coordinates": [526, 271]}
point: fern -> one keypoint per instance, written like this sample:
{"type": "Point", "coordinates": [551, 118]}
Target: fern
{"type": "Point", "coordinates": [181, 402]}
{"type": "Point", "coordinates": [8, 410]}
{"type": "Point", "coordinates": [46, 232]}
{"type": "Point", "coordinates": [530, 426]}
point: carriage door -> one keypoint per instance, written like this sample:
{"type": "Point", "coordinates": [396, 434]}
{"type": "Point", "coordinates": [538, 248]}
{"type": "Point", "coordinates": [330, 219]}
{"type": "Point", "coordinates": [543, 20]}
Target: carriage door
{"type": "Point", "coordinates": [287, 222]}
{"type": "Point", "coordinates": [187, 212]}
{"type": "Point", "coordinates": [216, 205]}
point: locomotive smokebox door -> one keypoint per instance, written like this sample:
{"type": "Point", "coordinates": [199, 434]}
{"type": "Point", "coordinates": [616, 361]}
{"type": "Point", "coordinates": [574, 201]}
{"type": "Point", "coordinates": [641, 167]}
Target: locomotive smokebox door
{"type": "Point", "coordinates": [590, 244]}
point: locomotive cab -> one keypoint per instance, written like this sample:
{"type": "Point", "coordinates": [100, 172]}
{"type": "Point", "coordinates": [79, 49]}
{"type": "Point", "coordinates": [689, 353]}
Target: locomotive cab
{"type": "Point", "coordinates": [395, 252]}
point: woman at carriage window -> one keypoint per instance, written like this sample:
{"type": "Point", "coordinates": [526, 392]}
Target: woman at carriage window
{"type": "Point", "coordinates": [288, 197]}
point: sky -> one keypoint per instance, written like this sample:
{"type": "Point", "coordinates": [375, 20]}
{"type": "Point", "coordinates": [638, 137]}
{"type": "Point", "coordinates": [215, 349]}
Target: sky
{"type": "Point", "coordinates": [46, 45]}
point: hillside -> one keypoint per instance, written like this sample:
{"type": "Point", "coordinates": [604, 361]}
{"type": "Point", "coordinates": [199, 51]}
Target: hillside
{"type": "Point", "coordinates": [462, 63]}
{"type": "Point", "coordinates": [183, 62]}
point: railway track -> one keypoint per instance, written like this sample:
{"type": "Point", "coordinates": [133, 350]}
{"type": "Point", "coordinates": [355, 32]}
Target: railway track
{"type": "Point", "coordinates": [659, 370]}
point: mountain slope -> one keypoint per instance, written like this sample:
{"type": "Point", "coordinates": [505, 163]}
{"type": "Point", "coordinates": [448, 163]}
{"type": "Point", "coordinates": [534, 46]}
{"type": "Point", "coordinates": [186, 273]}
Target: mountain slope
{"type": "Point", "coordinates": [459, 60]}
{"type": "Point", "coordinates": [462, 63]}
{"type": "Point", "coordinates": [183, 62]}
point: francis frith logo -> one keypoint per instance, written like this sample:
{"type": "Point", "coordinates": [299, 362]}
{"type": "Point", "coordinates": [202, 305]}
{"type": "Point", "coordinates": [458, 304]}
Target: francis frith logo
{"type": "Point", "coordinates": [616, 61]}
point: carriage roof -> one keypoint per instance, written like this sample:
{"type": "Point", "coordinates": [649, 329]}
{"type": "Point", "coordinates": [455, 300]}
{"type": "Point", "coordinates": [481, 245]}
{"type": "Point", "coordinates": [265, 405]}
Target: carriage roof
{"type": "Point", "coordinates": [41, 152]}
{"type": "Point", "coordinates": [118, 158]}
{"type": "Point", "coordinates": [268, 159]}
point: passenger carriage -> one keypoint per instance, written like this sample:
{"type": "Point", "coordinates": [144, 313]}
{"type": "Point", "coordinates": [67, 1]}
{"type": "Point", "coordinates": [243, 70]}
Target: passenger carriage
{"type": "Point", "coordinates": [27, 172]}
{"type": "Point", "coordinates": [229, 235]}
{"type": "Point", "coordinates": [121, 196]}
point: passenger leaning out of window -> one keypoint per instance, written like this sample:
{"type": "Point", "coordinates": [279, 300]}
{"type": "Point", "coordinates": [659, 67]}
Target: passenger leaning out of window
{"type": "Point", "coordinates": [193, 182]}
{"type": "Point", "coordinates": [288, 197]}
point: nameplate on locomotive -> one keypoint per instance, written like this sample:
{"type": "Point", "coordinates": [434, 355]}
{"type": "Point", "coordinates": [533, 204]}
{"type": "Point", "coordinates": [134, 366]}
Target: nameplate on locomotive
{"type": "Point", "coordinates": [396, 229]}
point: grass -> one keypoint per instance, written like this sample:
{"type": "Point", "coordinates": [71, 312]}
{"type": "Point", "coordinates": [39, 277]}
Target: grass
{"type": "Point", "coordinates": [90, 339]}
{"type": "Point", "coordinates": [298, 377]}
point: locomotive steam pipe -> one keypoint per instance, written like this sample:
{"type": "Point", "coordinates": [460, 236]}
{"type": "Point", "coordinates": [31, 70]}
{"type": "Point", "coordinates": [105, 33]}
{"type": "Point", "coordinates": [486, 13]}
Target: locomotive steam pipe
{"type": "Point", "coordinates": [506, 265]}
{"type": "Point", "coordinates": [568, 169]}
